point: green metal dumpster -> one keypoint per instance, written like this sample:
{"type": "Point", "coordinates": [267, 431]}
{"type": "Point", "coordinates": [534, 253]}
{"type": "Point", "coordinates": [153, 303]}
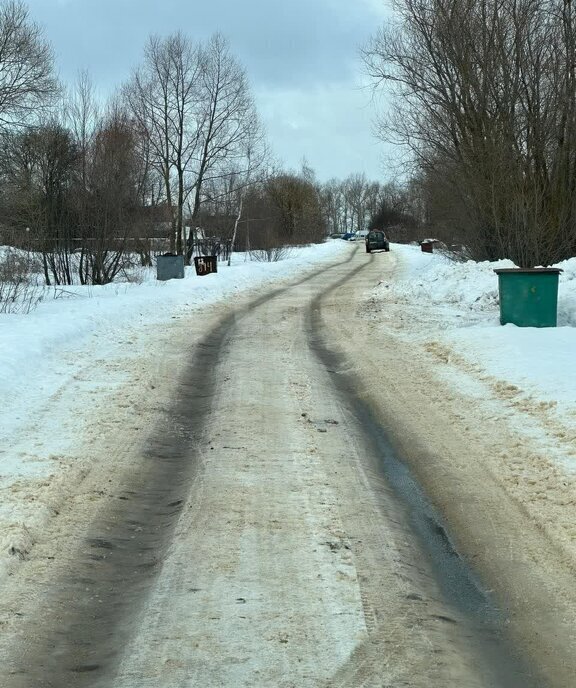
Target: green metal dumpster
{"type": "Point", "coordinates": [528, 296]}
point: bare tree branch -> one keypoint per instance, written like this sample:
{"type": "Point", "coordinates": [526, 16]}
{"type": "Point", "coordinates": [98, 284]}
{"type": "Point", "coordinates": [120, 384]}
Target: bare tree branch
{"type": "Point", "coordinates": [27, 83]}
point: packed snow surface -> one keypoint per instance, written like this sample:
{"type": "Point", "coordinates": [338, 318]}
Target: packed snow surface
{"type": "Point", "coordinates": [71, 350]}
{"type": "Point", "coordinates": [69, 354]}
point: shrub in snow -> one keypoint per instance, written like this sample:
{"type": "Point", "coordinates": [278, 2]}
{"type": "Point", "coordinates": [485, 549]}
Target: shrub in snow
{"type": "Point", "coordinates": [18, 290]}
{"type": "Point", "coordinates": [270, 255]}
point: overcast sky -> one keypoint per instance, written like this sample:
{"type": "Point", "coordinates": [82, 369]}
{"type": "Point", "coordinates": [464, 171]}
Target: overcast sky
{"type": "Point", "coordinates": [301, 57]}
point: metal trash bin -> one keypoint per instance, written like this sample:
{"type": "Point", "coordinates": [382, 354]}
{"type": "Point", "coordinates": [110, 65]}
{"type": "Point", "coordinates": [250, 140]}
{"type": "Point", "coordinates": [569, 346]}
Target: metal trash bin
{"type": "Point", "coordinates": [169, 266]}
{"type": "Point", "coordinates": [205, 264]}
{"type": "Point", "coordinates": [528, 296]}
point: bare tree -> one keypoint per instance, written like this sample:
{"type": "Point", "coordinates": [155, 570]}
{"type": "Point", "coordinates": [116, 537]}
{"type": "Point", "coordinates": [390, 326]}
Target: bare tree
{"type": "Point", "coordinates": [37, 169]}
{"type": "Point", "coordinates": [230, 136]}
{"type": "Point", "coordinates": [298, 209]}
{"type": "Point", "coordinates": [332, 201]}
{"type": "Point", "coordinates": [193, 105]}
{"type": "Point", "coordinates": [27, 83]}
{"type": "Point", "coordinates": [487, 105]}
{"type": "Point", "coordinates": [82, 114]}
{"type": "Point", "coordinates": [111, 209]}
{"type": "Point", "coordinates": [254, 172]}
{"type": "Point", "coordinates": [355, 190]}
{"type": "Point", "coordinates": [395, 213]}
{"type": "Point", "coordinates": [164, 97]}
{"type": "Point", "coordinates": [149, 96]}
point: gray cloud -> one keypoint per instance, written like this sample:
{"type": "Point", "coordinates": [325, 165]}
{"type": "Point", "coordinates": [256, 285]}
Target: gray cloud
{"type": "Point", "coordinates": [301, 57]}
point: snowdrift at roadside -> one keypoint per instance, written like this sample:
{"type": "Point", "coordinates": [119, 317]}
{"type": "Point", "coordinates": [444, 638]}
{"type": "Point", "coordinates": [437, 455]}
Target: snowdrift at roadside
{"type": "Point", "coordinates": [471, 288]}
{"type": "Point", "coordinates": [453, 307]}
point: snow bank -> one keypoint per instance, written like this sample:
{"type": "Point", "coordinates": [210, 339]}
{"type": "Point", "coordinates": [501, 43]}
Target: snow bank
{"type": "Point", "coordinates": [468, 287]}
{"type": "Point", "coordinates": [567, 293]}
{"type": "Point", "coordinates": [456, 304]}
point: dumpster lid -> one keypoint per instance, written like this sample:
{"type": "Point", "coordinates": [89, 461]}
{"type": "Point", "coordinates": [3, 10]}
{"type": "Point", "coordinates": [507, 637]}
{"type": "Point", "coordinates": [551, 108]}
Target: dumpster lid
{"type": "Point", "coordinates": [498, 271]}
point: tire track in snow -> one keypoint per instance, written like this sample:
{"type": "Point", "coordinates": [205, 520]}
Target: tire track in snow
{"type": "Point", "coordinates": [77, 637]}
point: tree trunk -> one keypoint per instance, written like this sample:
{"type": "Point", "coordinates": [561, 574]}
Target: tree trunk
{"type": "Point", "coordinates": [235, 230]}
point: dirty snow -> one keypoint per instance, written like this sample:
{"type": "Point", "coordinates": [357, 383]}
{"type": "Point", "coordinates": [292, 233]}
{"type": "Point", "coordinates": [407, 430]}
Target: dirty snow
{"type": "Point", "coordinates": [70, 352]}
{"type": "Point", "coordinates": [452, 309]}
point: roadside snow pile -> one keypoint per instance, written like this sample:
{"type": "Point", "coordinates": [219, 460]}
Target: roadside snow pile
{"type": "Point", "coordinates": [435, 280]}
{"type": "Point", "coordinates": [452, 309]}
{"type": "Point", "coordinates": [470, 285]}
{"type": "Point", "coordinates": [567, 293]}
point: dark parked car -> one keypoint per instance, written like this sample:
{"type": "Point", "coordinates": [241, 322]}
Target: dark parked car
{"type": "Point", "coordinates": [376, 240]}
{"type": "Point", "coordinates": [349, 236]}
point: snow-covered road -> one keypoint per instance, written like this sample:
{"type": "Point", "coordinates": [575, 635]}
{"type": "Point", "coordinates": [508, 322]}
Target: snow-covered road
{"type": "Point", "coordinates": [245, 536]}
{"type": "Point", "coordinates": [62, 365]}
{"type": "Point", "coordinates": [289, 506]}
